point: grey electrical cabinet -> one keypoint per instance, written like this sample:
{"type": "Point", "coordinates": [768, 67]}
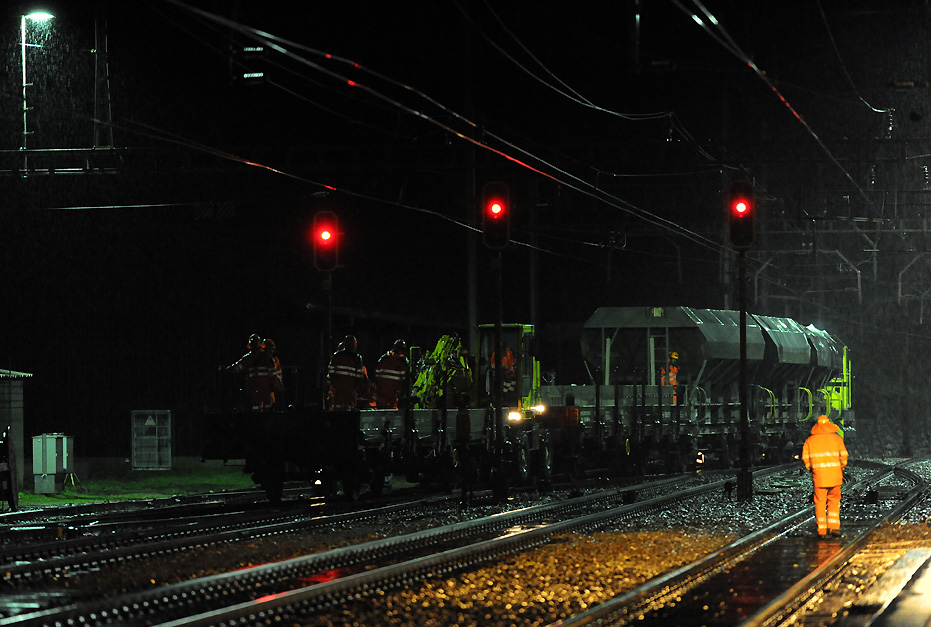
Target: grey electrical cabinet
{"type": "Point", "coordinates": [52, 461]}
{"type": "Point", "coordinates": [151, 431]}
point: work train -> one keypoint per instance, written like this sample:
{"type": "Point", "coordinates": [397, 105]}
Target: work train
{"type": "Point", "coordinates": [662, 395]}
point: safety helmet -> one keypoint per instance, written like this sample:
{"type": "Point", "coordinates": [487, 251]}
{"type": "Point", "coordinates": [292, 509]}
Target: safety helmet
{"type": "Point", "coordinates": [673, 355]}
{"type": "Point", "coordinates": [399, 347]}
{"type": "Point", "coordinates": [256, 341]}
{"type": "Point", "coordinates": [269, 344]}
{"type": "Point", "coordinates": [351, 342]}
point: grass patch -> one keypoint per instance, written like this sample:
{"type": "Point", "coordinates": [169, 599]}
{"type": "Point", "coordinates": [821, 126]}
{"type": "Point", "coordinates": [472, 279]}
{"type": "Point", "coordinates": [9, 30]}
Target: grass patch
{"type": "Point", "coordinates": [143, 484]}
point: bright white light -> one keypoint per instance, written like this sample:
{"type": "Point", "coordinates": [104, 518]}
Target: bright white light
{"type": "Point", "coordinates": [514, 416]}
{"type": "Point", "coordinates": [39, 16]}
{"type": "Point", "coordinates": [538, 409]}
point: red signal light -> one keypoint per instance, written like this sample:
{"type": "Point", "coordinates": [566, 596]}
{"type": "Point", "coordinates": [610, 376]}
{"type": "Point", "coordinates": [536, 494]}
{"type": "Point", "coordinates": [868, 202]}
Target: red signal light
{"type": "Point", "coordinates": [741, 201]}
{"type": "Point", "coordinates": [496, 218]}
{"type": "Point", "coordinates": [325, 236]}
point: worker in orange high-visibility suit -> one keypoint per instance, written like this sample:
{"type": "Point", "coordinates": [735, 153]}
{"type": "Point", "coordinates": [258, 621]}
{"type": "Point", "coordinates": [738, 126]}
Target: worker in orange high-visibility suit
{"type": "Point", "coordinates": [673, 378]}
{"type": "Point", "coordinates": [508, 376]}
{"type": "Point", "coordinates": [347, 377]}
{"type": "Point", "coordinates": [259, 369]}
{"type": "Point", "coordinates": [825, 456]}
{"type": "Point", "coordinates": [392, 374]}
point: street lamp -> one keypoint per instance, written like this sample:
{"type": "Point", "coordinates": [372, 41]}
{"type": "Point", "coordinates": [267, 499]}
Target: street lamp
{"type": "Point", "coordinates": [34, 17]}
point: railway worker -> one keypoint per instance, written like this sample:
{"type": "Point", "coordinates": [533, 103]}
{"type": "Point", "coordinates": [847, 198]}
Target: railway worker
{"type": "Point", "coordinates": [277, 378]}
{"type": "Point", "coordinates": [460, 381]}
{"type": "Point", "coordinates": [392, 376]}
{"type": "Point", "coordinates": [259, 371]}
{"type": "Point", "coordinates": [673, 375]}
{"type": "Point", "coordinates": [825, 457]}
{"type": "Point", "coordinates": [346, 376]}
{"type": "Point", "coordinates": [508, 376]}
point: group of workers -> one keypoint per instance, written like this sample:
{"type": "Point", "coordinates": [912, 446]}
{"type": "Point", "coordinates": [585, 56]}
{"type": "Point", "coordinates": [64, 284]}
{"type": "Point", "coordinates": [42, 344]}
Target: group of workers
{"type": "Point", "coordinates": [348, 387]}
{"type": "Point", "coordinates": [347, 381]}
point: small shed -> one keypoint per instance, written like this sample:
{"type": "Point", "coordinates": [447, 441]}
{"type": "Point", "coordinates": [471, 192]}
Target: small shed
{"type": "Point", "coordinates": [11, 413]}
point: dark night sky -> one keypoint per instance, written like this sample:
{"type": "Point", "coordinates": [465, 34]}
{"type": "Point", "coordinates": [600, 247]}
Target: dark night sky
{"type": "Point", "coordinates": [126, 291]}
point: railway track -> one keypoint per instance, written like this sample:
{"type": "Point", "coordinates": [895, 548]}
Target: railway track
{"type": "Point", "coordinates": [320, 580]}
{"type": "Point", "coordinates": [763, 578]}
{"type": "Point", "coordinates": [140, 539]}
{"type": "Point", "coordinates": [858, 585]}
{"type": "Point", "coordinates": [739, 583]}
{"type": "Point", "coordinates": [279, 576]}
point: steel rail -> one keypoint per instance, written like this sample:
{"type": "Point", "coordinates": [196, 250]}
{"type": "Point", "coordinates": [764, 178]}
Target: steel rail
{"type": "Point", "coordinates": [325, 595]}
{"type": "Point", "coordinates": [322, 595]}
{"type": "Point", "coordinates": [221, 590]}
{"type": "Point", "coordinates": [795, 597]}
{"type": "Point", "coordinates": [674, 582]}
{"type": "Point", "coordinates": [90, 553]}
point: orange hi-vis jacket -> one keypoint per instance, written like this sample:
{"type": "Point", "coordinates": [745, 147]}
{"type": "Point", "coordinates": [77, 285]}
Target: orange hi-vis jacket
{"type": "Point", "coordinates": [391, 374]}
{"type": "Point", "coordinates": [347, 378]}
{"type": "Point", "coordinates": [825, 454]}
{"type": "Point", "coordinates": [262, 379]}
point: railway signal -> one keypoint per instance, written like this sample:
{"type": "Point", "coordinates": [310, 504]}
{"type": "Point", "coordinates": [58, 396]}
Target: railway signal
{"type": "Point", "coordinates": [325, 235]}
{"type": "Point", "coordinates": [741, 213]}
{"type": "Point", "coordinates": [496, 215]}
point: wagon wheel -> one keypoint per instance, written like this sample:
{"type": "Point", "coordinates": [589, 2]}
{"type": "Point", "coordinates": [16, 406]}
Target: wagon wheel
{"type": "Point", "coordinates": [522, 460]}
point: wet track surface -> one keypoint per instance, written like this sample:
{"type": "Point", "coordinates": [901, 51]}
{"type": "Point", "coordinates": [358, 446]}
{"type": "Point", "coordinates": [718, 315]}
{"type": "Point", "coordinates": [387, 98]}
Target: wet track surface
{"type": "Point", "coordinates": [747, 586]}
{"type": "Point", "coordinates": [726, 598]}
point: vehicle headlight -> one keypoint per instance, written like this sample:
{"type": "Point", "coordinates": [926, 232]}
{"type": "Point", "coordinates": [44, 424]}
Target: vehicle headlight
{"type": "Point", "coordinates": [514, 416]}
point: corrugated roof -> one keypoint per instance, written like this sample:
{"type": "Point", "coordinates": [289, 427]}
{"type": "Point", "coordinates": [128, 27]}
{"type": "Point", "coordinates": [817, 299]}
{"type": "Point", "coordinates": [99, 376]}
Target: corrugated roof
{"type": "Point", "coordinates": [12, 374]}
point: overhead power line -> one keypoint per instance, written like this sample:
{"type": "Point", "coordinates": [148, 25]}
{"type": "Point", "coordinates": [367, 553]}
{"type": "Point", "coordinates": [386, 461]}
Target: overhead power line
{"type": "Point", "coordinates": [713, 27]}
{"type": "Point", "coordinates": [523, 158]}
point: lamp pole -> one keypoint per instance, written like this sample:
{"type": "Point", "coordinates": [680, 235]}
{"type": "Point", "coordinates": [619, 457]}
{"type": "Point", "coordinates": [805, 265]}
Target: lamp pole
{"type": "Point", "coordinates": [25, 107]}
{"type": "Point", "coordinates": [35, 17]}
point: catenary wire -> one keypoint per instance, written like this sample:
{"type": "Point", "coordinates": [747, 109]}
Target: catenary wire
{"type": "Point", "coordinates": [594, 193]}
{"type": "Point", "coordinates": [426, 211]}
{"type": "Point", "coordinates": [577, 97]}
{"type": "Point", "coordinates": [843, 66]}
{"type": "Point", "coordinates": [211, 25]}
{"type": "Point", "coordinates": [574, 96]}
{"type": "Point", "coordinates": [730, 45]}
{"type": "Point", "coordinates": [576, 183]}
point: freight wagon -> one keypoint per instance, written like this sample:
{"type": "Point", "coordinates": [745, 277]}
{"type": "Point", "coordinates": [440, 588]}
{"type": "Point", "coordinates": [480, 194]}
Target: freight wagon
{"type": "Point", "coordinates": [662, 395]}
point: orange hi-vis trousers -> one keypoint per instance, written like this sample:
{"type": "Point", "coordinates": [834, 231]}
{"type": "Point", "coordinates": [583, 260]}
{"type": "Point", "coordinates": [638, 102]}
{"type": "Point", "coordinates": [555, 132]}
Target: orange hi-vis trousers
{"type": "Point", "coordinates": [827, 509]}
